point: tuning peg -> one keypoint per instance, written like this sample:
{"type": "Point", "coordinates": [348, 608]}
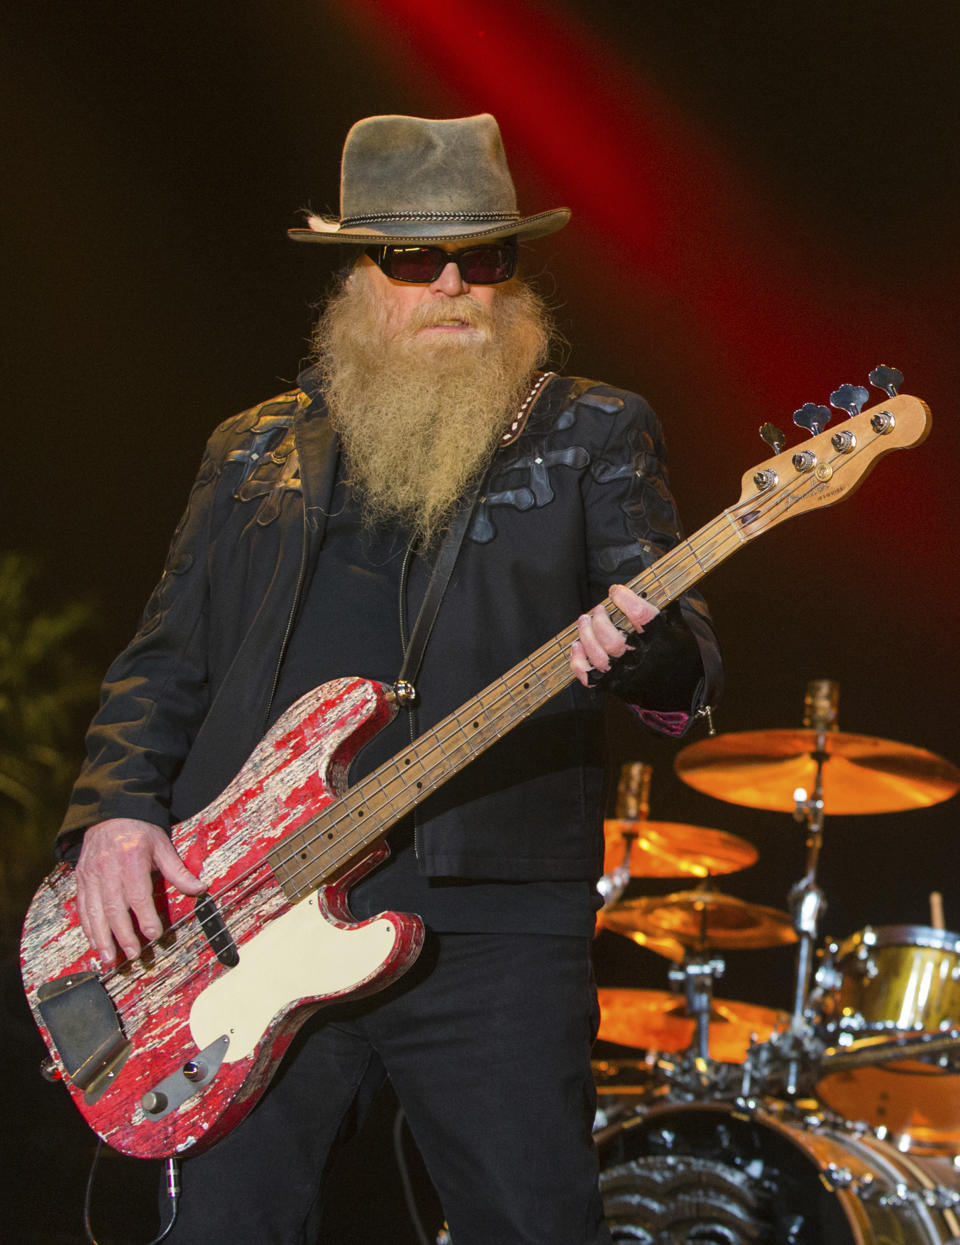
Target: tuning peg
{"type": "Point", "coordinates": [889, 379]}
{"type": "Point", "coordinates": [773, 437]}
{"type": "Point", "coordinates": [849, 398]}
{"type": "Point", "coordinates": [812, 417]}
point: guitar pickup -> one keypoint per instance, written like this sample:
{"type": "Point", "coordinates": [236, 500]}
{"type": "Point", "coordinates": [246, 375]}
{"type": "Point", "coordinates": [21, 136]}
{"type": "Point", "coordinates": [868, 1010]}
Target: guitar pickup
{"type": "Point", "coordinates": [215, 931]}
{"type": "Point", "coordinates": [85, 1029]}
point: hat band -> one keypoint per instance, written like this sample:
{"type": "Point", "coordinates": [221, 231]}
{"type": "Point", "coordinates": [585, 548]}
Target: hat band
{"type": "Point", "coordinates": [383, 218]}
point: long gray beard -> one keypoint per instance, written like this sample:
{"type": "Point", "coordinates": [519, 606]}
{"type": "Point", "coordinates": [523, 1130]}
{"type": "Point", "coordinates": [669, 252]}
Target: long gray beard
{"type": "Point", "coordinates": [419, 419]}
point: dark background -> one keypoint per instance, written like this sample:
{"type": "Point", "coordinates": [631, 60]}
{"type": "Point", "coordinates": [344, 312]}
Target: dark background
{"type": "Point", "coordinates": [765, 206]}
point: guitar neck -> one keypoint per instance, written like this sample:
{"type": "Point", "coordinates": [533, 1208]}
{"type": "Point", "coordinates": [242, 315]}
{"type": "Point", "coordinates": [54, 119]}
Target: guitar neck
{"type": "Point", "coordinates": [353, 824]}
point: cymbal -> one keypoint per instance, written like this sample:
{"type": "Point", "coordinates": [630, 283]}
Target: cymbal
{"type": "Point", "coordinates": [666, 849]}
{"type": "Point", "coordinates": [658, 1020]}
{"type": "Point", "coordinates": [669, 948]}
{"type": "Point", "coordinates": [763, 769]}
{"type": "Point", "coordinates": [699, 919]}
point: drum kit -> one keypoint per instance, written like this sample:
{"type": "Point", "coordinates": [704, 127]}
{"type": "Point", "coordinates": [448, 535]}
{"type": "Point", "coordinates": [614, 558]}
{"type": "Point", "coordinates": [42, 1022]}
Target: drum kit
{"type": "Point", "coordinates": [834, 1123]}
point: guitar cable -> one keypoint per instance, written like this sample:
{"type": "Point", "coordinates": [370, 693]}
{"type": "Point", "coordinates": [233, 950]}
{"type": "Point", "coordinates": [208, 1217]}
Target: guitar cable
{"type": "Point", "coordinates": [172, 1189]}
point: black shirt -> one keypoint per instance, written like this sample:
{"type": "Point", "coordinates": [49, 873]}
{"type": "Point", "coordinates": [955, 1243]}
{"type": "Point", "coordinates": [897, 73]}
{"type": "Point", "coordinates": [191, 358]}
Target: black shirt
{"type": "Point", "coordinates": [350, 624]}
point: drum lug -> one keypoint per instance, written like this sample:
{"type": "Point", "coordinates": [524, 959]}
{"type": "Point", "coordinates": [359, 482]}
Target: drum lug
{"type": "Point", "coordinates": [840, 1178]}
{"type": "Point", "coordinates": [868, 1189]}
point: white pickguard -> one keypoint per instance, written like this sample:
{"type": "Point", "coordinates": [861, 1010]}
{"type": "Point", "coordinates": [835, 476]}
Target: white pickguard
{"type": "Point", "coordinates": [298, 955]}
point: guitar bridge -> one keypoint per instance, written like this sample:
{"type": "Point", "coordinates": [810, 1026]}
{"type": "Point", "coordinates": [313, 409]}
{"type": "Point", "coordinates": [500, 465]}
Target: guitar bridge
{"type": "Point", "coordinates": [85, 1029]}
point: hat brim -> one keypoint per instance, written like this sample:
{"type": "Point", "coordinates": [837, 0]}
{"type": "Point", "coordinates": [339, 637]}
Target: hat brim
{"type": "Point", "coordinates": [328, 229]}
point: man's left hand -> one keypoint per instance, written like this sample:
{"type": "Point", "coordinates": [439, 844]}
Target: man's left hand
{"type": "Point", "coordinates": [600, 641]}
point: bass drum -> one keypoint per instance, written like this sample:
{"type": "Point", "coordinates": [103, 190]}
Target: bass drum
{"type": "Point", "coordinates": [717, 1175]}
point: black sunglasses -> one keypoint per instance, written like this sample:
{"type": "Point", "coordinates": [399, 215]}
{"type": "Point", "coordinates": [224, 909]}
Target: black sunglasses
{"type": "Point", "coordinates": [420, 265]}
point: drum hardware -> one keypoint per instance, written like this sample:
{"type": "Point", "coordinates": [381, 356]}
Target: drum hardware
{"type": "Point", "coordinates": [632, 807]}
{"type": "Point", "coordinates": [696, 977]}
{"type": "Point", "coordinates": [868, 1188]}
{"type": "Point", "coordinates": [806, 900]}
{"type": "Point", "coordinates": [873, 1053]}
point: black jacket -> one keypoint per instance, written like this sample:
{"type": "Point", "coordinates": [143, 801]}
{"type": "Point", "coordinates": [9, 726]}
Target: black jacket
{"type": "Point", "coordinates": [578, 501]}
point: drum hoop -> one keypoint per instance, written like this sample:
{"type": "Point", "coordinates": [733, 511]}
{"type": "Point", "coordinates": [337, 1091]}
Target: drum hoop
{"type": "Point", "coordinates": [878, 936]}
{"type": "Point", "coordinates": [871, 1145]}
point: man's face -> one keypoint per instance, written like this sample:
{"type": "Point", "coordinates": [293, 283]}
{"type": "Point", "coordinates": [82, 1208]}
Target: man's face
{"type": "Point", "coordinates": [402, 301]}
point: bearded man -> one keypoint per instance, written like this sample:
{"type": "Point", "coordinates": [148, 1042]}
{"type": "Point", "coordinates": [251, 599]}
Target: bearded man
{"type": "Point", "coordinates": [423, 471]}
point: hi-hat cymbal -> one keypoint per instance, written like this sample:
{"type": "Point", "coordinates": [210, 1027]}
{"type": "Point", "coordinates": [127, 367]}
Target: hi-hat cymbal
{"type": "Point", "coordinates": [764, 769]}
{"type": "Point", "coordinates": [658, 1020]}
{"type": "Point", "coordinates": [700, 919]}
{"type": "Point", "coordinates": [666, 849]}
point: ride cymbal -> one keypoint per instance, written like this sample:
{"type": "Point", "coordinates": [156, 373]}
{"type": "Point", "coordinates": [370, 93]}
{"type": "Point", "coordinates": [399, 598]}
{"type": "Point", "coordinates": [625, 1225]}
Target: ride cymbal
{"type": "Point", "coordinates": [700, 919]}
{"type": "Point", "coordinates": [764, 769]}
{"type": "Point", "coordinates": [658, 1020]}
{"type": "Point", "coordinates": [664, 849]}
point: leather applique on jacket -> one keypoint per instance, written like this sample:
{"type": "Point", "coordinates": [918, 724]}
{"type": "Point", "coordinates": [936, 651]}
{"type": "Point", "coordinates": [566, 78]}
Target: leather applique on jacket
{"type": "Point", "coordinates": [269, 463]}
{"type": "Point", "coordinates": [536, 459]}
{"type": "Point", "coordinates": [649, 507]}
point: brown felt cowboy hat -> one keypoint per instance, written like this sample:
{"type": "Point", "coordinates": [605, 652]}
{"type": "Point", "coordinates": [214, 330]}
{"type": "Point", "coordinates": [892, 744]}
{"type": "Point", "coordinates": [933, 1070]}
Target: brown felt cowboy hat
{"type": "Point", "coordinates": [409, 180]}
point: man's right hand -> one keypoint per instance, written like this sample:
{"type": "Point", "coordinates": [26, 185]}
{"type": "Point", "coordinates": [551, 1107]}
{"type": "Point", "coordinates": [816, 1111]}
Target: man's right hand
{"type": "Point", "coordinates": [115, 883]}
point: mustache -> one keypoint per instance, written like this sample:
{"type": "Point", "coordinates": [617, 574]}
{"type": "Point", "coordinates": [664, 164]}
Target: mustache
{"type": "Point", "coordinates": [463, 307]}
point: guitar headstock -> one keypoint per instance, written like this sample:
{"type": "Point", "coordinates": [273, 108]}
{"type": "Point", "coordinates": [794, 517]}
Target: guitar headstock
{"type": "Point", "coordinates": [834, 462]}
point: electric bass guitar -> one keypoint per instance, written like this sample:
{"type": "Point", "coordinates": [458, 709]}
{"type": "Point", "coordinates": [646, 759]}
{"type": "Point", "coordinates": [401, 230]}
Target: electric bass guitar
{"type": "Point", "coordinates": [166, 1052]}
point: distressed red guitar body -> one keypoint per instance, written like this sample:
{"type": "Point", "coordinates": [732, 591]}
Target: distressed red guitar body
{"type": "Point", "coordinates": [167, 1053]}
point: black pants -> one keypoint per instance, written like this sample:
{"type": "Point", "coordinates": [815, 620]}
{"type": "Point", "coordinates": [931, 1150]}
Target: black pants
{"type": "Point", "coordinates": [487, 1043]}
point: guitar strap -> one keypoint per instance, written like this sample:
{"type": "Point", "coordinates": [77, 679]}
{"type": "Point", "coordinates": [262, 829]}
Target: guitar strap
{"type": "Point", "coordinates": [405, 686]}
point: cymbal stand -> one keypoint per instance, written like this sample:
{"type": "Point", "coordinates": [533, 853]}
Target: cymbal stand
{"type": "Point", "coordinates": [612, 885]}
{"type": "Point", "coordinates": [697, 974]}
{"type": "Point", "coordinates": [633, 808]}
{"type": "Point", "coordinates": [806, 903]}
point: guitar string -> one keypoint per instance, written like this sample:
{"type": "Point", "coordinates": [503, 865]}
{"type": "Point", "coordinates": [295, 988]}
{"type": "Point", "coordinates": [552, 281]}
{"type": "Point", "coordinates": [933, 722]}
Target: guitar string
{"type": "Point", "coordinates": [498, 707]}
{"type": "Point", "coordinates": [713, 546]}
{"type": "Point", "coordinates": [558, 646]}
{"type": "Point", "coordinates": [454, 725]}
